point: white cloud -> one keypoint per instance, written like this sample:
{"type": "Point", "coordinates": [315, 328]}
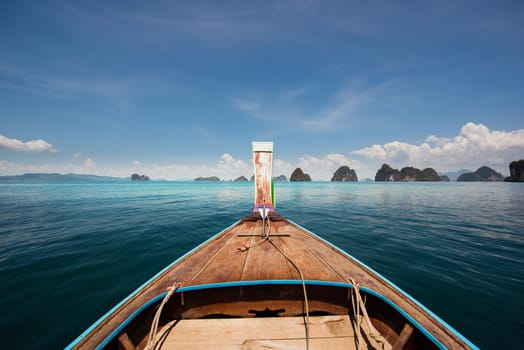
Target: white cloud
{"type": "Point", "coordinates": [324, 167]}
{"type": "Point", "coordinates": [29, 146]}
{"type": "Point", "coordinates": [476, 145]}
{"type": "Point", "coordinates": [12, 168]}
{"type": "Point", "coordinates": [227, 168]}
{"type": "Point", "coordinates": [230, 166]}
{"type": "Point", "coordinates": [77, 154]}
{"type": "Point", "coordinates": [280, 167]}
{"type": "Point", "coordinates": [437, 140]}
{"type": "Point", "coordinates": [89, 163]}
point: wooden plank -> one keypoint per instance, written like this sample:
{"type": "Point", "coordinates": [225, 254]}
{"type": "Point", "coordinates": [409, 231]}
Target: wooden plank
{"type": "Point", "coordinates": [265, 263]}
{"type": "Point", "coordinates": [258, 235]}
{"type": "Point", "coordinates": [326, 332]}
{"type": "Point", "coordinates": [225, 264]}
{"type": "Point", "coordinates": [125, 343]}
{"type": "Point", "coordinates": [332, 259]}
{"type": "Point", "coordinates": [301, 253]}
{"type": "Point", "coordinates": [188, 268]}
{"type": "Point", "coordinates": [404, 337]}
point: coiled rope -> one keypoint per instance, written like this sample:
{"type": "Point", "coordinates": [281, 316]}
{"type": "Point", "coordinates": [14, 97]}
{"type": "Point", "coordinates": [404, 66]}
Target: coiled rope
{"type": "Point", "coordinates": [151, 340]}
{"type": "Point", "coordinates": [358, 306]}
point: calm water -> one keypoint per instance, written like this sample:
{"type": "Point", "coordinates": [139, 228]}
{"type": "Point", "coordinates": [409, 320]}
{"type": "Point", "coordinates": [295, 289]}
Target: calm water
{"type": "Point", "coordinates": [71, 251]}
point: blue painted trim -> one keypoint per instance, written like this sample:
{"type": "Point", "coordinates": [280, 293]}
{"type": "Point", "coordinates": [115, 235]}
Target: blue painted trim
{"type": "Point", "coordinates": [129, 319]}
{"type": "Point", "coordinates": [272, 282]}
{"type": "Point", "coordinates": [407, 316]}
{"type": "Point", "coordinates": [317, 283]}
{"type": "Point", "coordinates": [431, 313]}
{"type": "Point", "coordinates": [106, 315]}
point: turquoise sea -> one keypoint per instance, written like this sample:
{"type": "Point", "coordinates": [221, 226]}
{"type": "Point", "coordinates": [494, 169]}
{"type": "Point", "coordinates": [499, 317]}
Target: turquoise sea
{"type": "Point", "coordinates": [69, 251]}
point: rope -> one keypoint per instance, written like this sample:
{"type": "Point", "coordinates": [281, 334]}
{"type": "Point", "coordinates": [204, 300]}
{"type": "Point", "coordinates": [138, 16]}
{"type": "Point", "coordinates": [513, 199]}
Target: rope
{"type": "Point", "coordinates": [247, 246]}
{"type": "Point", "coordinates": [356, 312]}
{"type": "Point", "coordinates": [306, 303]}
{"type": "Point", "coordinates": [267, 238]}
{"type": "Point", "coordinates": [151, 340]}
{"type": "Point", "coordinates": [358, 305]}
{"type": "Point", "coordinates": [303, 287]}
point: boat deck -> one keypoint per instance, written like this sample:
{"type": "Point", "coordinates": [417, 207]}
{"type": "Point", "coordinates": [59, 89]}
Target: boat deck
{"type": "Point", "coordinates": [224, 262]}
{"type": "Point", "coordinates": [325, 332]}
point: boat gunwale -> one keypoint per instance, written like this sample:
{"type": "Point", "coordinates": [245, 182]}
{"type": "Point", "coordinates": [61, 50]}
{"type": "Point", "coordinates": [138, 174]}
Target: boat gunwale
{"type": "Point", "coordinates": [142, 287]}
{"type": "Point", "coordinates": [200, 287]}
{"type": "Point", "coordinates": [165, 270]}
{"type": "Point", "coordinates": [395, 287]}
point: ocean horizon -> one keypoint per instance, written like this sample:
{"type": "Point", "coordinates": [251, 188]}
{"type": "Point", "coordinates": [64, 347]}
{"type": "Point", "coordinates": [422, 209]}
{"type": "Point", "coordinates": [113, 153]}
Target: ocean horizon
{"type": "Point", "coordinates": [70, 251]}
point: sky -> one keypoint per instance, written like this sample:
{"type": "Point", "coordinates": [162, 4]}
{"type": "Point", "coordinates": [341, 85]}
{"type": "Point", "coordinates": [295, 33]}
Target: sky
{"type": "Point", "coordinates": [180, 89]}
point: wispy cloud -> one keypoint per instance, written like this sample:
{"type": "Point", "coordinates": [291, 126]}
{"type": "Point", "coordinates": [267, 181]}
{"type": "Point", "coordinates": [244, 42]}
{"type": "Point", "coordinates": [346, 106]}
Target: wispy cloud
{"type": "Point", "coordinates": [343, 106]}
{"type": "Point", "coordinates": [162, 24]}
{"type": "Point", "coordinates": [29, 146]}
{"type": "Point", "coordinates": [17, 79]}
{"type": "Point", "coordinates": [476, 145]}
{"type": "Point", "coordinates": [167, 23]}
{"type": "Point", "coordinates": [275, 108]}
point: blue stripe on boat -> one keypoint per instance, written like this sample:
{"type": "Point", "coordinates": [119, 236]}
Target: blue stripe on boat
{"type": "Point", "coordinates": [271, 282]}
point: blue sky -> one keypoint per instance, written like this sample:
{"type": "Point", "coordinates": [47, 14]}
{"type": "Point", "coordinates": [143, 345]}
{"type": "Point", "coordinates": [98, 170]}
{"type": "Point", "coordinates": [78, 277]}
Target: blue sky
{"type": "Point", "coordinates": [180, 89]}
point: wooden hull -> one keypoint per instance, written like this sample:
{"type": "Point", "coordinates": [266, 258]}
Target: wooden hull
{"type": "Point", "coordinates": [237, 290]}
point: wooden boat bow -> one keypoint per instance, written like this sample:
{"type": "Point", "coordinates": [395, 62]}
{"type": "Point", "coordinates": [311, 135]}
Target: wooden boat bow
{"type": "Point", "coordinates": [265, 282]}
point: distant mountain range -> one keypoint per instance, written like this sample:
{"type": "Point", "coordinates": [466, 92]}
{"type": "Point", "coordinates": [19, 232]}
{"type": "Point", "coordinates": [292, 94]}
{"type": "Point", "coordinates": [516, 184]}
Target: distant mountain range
{"type": "Point", "coordinates": [59, 177]}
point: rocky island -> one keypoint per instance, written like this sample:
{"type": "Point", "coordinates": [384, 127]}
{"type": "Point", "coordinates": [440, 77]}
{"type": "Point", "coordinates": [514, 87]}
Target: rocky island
{"type": "Point", "coordinates": [344, 173]}
{"type": "Point", "coordinates": [298, 175]}
{"type": "Point", "coordinates": [483, 173]}
{"type": "Point", "coordinates": [136, 177]}
{"type": "Point", "coordinates": [240, 179]}
{"type": "Point", "coordinates": [387, 173]}
{"type": "Point", "coordinates": [516, 171]}
{"type": "Point", "coordinates": [210, 178]}
{"type": "Point", "coordinates": [280, 178]}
